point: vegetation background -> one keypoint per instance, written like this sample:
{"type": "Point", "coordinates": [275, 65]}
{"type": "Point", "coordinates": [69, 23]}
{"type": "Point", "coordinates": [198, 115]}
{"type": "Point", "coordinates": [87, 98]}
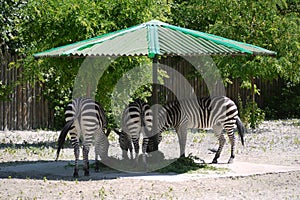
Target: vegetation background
{"type": "Point", "coordinates": [31, 26]}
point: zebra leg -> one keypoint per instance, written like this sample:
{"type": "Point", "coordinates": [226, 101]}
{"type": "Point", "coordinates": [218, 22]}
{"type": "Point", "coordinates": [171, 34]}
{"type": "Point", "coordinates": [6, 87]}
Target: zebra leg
{"type": "Point", "coordinates": [97, 164]}
{"type": "Point", "coordinates": [131, 153]}
{"type": "Point", "coordinates": [182, 133]}
{"type": "Point", "coordinates": [128, 147]}
{"type": "Point", "coordinates": [97, 151]}
{"type": "Point", "coordinates": [97, 154]}
{"type": "Point", "coordinates": [222, 141]}
{"type": "Point", "coordinates": [231, 137]}
{"type": "Point", "coordinates": [125, 144]}
{"type": "Point", "coordinates": [76, 153]}
{"type": "Point", "coordinates": [101, 148]}
{"type": "Point", "coordinates": [144, 149]}
{"type": "Point", "coordinates": [86, 166]}
{"type": "Point", "coordinates": [125, 154]}
{"type": "Point", "coordinates": [136, 149]}
{"type": "Point", "coordinates": [218, 132]}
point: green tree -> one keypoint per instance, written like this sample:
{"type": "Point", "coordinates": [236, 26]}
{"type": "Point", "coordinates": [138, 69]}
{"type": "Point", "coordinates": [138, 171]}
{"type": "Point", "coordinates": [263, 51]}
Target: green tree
{"type": "Point", "coordinates": [10, 18]}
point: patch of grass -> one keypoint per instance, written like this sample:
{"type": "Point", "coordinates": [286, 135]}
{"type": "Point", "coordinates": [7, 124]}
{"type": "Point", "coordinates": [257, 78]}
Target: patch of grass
{"type": "Point", "coordinates": [291, 122]}
{"type": "Point", "coordinates": [169, 132]}
{"type": "Point", "coordinates": [10, 150]}
{"type": "Point", "coordinates": [112, 136]}
{"type": "Point", "coordinates": [296, 123]}
{"type": "Point", "coordinates": [40, 151]}
{"type": "Point", "coordinates": [102, 193]}
{"type": "Point", "coordinates": [187, 165]}
{"type": "Point", "coordinates": [287, 137]}
{"type": "Point", "coordinates": [296, 141]}
{"type": "Point", "coordinates": [264, 149]}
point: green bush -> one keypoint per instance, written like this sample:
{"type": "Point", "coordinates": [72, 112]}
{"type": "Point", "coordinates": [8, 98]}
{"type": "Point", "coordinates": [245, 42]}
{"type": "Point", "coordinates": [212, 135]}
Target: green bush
{"type": "Point", "coordinates": [251, 114]}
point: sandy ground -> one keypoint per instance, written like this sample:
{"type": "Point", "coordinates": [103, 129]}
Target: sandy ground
{"type": "Point", "coordinates": [267, 167]}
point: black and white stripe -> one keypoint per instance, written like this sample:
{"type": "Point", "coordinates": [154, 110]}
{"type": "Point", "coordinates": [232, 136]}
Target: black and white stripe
{"type": "Point", "coordinates": [136, 120]}
{"type": "Point", "coordinates": [217, 113]}
{"type": "Point", "coordinates": [85, 121]}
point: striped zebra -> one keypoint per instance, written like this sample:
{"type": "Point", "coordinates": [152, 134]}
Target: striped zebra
{"type": "Point", "coordinates": [217, 113]}
{"type": "Point", "coordinates": [136, 120]}
{"type": "Point", "coordinates": [85, 121]}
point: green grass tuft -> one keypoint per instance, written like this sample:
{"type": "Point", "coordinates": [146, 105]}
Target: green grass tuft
{"type": "Point", "coordinates": [187, 165]}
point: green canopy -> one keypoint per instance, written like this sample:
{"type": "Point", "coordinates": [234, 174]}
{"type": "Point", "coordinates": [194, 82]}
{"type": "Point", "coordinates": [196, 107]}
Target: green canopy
{"type": "Point", "coordinates": [155, 38]}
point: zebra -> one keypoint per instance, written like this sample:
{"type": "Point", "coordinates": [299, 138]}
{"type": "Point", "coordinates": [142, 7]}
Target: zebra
{"type": "Point", "coordinates": [217, 113]}
{"type": "Point", "coordinates": [85, 120]}
{"type": "Point", "coordinates": [137, 119]}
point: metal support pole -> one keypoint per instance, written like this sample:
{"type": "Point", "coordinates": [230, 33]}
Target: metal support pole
{"type": "Point", "coordinates": [155, 93]}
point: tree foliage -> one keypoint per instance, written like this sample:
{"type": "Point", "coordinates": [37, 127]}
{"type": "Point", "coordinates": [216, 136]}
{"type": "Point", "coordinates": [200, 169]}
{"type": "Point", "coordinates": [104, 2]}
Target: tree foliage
{"type": "Point", "coordinates": [11, 16]}
{"type": "Point", "coordinates": [273, 25]}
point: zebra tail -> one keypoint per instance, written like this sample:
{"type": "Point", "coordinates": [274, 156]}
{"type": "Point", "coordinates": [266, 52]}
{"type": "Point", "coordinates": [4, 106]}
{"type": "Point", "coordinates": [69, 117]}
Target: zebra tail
{"type": "Point", "coordinates": [117, 131]}
{"type": "Point", "coordinates": [241, 129]}
{"type": "Point", "coordinates": [62, 137]}
{"type": "Point", "coordinates": [108, 130]}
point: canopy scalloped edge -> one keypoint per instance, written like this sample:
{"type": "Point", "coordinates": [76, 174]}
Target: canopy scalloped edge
{"type": "Point", "coordinates": [155, 44]}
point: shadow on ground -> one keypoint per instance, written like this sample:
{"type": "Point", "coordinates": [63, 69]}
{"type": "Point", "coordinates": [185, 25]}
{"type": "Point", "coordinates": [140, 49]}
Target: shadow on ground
{"type": "Point", "coordinates": [111, 168]}
{"type": "Point", "coordinates": [63, 170]}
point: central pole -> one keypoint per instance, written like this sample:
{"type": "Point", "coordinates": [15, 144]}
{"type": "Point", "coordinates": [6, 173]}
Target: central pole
{"type": "Point", "coordinates": [155, 94]}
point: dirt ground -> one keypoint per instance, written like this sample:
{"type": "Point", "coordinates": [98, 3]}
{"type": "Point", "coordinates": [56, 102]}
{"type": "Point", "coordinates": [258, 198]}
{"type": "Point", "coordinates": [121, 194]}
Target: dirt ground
{"type": "Point", "coordinates": [267, 167]}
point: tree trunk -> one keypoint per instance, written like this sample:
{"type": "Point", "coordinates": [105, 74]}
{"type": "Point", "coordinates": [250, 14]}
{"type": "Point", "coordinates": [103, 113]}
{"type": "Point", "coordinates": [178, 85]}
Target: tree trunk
{"type": "Point", "coordinates": [252, 124]}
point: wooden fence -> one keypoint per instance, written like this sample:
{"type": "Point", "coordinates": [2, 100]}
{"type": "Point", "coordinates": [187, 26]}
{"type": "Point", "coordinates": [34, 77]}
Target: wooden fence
{"type": "Point", "coordinates": [27, 108]}
{"type": "Point", "coordinates": [233, 91]}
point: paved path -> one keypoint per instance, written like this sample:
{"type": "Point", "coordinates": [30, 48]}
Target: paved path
{"type": "Point", "coordinates": [62, 170]}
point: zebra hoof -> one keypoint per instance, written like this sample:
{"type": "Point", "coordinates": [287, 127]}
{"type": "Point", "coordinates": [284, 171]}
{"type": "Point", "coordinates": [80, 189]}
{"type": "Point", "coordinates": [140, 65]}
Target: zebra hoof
{"type": "Point", "coordinates": [230, 161]}
{"type": "Point", "coordinates": [215, 161]}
